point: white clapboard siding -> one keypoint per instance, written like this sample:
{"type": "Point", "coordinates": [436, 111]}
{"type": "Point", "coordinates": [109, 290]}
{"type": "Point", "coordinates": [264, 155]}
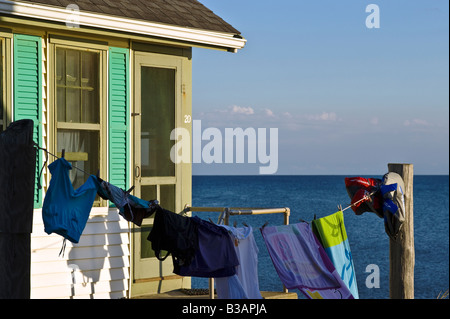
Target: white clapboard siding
{"type": "Point", "coordinates": [97, 267]}
{"type": "Point", "coordinates": [75, 275]}
{"type": "Point", "coordinates": [100, 290]}
{"type": "Point", "coordinates": [41, 268]}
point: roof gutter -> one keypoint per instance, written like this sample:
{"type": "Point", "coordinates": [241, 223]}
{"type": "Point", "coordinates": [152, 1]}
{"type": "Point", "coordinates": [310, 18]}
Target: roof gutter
{"type": "Point", "coordinates": [73, 18]}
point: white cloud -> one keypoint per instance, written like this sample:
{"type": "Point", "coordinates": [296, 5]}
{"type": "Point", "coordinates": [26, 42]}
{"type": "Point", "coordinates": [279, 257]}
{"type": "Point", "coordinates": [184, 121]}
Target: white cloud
{"type": "Point", "coordinates": [246, 116]}
{"type": "Point", "coordinates": [269, 113]}
{"type": "Point", "coordinates": [324, 116]}
{"type": "Point", "coordinates": [417, 122]}
{"type": "Point", "coordinates": [242, 110]}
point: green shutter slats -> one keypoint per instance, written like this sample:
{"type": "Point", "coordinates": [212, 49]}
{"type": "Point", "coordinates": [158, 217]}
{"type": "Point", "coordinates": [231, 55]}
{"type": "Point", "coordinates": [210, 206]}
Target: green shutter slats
{"type": "Point", "coordinates": [119, 117]}
{"type": "Point", "coordinates": [28, 91]}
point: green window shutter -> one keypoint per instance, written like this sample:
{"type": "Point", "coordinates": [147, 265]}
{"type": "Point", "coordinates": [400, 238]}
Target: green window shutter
{"type": "Point", "coordinates": [28, 91]}
{"type": "Point", "coordinates": [119, 118]}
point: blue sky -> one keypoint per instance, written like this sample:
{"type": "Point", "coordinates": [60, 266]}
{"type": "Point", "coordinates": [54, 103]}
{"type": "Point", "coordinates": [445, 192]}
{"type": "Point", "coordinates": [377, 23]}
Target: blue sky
{"type": "Point", "coordinates": [346, 99]}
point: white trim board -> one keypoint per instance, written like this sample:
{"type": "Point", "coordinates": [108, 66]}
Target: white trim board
{"type": "Point", "coordinates": [50, 13]}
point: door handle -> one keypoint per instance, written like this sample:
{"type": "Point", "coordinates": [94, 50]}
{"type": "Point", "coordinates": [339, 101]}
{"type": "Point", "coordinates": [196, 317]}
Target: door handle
{"type": "Point", "coordinates": [137, 171]}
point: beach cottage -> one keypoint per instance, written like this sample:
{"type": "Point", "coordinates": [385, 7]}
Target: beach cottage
{"type": "Point", "coordinates": [106, 81]}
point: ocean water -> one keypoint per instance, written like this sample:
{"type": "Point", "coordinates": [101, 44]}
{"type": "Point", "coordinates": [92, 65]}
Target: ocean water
{"type": "Point", "coordinates": [307, 196]}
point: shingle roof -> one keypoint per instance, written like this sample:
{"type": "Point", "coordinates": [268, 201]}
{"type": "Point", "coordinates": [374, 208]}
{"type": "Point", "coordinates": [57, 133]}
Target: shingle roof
{"type": "Point", "coordinates": [184, 13]}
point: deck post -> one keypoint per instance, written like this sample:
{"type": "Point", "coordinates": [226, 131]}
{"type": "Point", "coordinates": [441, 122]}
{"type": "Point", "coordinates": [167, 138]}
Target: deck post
{"type": "Point", "coordinates": [401, 251]}
{"type": "Point", "coordinates": [17, 198]}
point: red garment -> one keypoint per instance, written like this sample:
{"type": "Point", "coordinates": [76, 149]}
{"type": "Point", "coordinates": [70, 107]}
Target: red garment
{"type": "Point", "coordinates": [364, 194]}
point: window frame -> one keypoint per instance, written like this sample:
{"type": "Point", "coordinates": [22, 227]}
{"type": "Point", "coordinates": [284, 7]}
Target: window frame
{"type": "Point", "coordinates": [102, 126]}
{"type": "Point", "coordinates": [5, 55]}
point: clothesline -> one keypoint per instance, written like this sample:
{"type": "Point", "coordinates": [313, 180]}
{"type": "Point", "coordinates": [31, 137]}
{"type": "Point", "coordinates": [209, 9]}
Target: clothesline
{"type": "Point", "coordinates": [57, 157]}
{"type": "Point", "coordinates": [219, 251]}
{"type": "Point", "coordinates": [366, 197]}
{"type": "Point", "coordinates": [224, 213]}
{"type": "Point", "coordinates": [46, 160]}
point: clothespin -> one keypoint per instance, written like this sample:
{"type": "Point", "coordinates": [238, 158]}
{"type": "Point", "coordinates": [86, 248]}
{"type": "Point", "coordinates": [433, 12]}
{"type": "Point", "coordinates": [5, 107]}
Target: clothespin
{"type": "Point", "coordinates": [245, 224]}
{"type": "Point", "coordinates": [303, 221]}
{"type": "Point", "coordinates": [340, 207]}
{"type": "Point", "coordinates": [210, 220]}
{"type": "Point", "coordinates": [235, 224]}
{"type": "Point", "coordinates": [63, 152]}
{"type": "Point", "coordinates": [265, 224]}
{"type": "Point", "coordinates": [183, 212]}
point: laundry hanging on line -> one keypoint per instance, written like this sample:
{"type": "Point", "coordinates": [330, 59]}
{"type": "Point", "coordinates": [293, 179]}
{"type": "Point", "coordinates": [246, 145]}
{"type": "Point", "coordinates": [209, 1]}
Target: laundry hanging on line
{"type": "Point", "coordinates": [364, 195]}
{"type": "Point", "coordinates": [317, 277]}
{"type": "Point", "coordinates": [302, 263]}
{"type": "Point", "coordinates": [331, 233]}
{"type": "Point", "coordinates": [384, 197]}
{"type": "Point", "coordinates": [198, 248]}
{"type": "Point", "coordinates": [201, 248]}
{"type": "Point", "coordinates": [393, 192]}
{"type": "Point", "coordinates": [215, 256]}
{"type": "Point", "coordinates": [245, 284]}
{"type": "Point", "coordinates": [212, 249]}
{"type": "Point", "coordinates": [65, 211]}
{"type": "Point", "coordinates": [130, 207]}
{"type": "Point", "coordinates": [175, 234]}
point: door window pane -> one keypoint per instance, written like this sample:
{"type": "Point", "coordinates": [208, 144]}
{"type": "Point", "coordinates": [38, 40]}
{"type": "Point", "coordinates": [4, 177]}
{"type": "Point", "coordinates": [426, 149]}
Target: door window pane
{"type": "Point", "coordinates": [157, 121]}
{"type": "Point", "coordinates": [166, 200]}
{"type": "Point", "coordinates": [167, 196]}
{"type": "Point", "coordinates": [148, 192]}
{"type": "Point", "coordinates": [146, 246]}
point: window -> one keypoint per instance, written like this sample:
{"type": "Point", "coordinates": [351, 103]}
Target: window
{"type": "Point", "coordinates": [79, 108]}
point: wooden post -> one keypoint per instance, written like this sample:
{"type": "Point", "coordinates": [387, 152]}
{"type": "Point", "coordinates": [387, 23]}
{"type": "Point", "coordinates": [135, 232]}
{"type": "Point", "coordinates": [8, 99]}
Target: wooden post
{"type": "Point", "coordinates": [401, 251]}
{"type": "Point", "coordinates": [17, 186]}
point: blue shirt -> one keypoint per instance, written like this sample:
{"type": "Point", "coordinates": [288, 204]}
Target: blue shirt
{"type": "Point", "coordinates": [65, 210]}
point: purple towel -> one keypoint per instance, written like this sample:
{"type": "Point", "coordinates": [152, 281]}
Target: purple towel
{"type": "Point", "coordinates": [301, 262]}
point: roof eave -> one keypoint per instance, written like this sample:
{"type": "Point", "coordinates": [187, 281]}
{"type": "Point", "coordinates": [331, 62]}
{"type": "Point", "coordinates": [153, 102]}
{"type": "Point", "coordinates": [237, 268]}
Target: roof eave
{"type": "Point", "coordinates": [221, 40]}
